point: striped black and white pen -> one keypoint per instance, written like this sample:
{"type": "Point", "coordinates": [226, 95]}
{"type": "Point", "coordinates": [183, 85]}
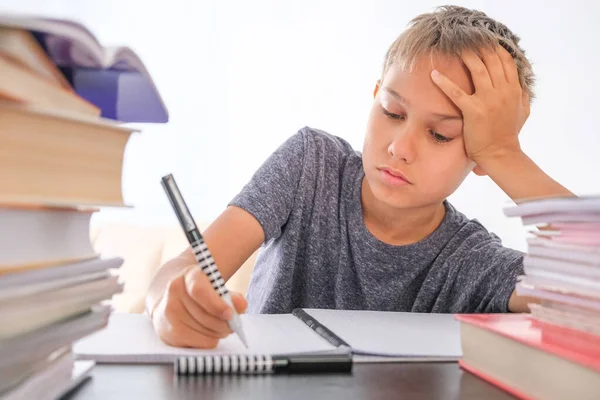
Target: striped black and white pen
{"type": "Point", "coordinates": [260, 364]}
{"type": "Point", "coordinates": [201, 251]}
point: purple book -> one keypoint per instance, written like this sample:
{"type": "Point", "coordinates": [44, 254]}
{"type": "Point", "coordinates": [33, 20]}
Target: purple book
{"type": "Point", "coordinates": [113, 78]}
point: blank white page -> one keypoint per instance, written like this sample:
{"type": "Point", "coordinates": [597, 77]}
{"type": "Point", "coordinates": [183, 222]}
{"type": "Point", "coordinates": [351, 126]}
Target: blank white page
{"type": "Point", "coordinates": [394, 334]}
{"type": "Point", "coordinates": [130, 338]}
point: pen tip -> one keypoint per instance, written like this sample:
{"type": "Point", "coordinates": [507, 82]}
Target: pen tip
{"type": "Point", "coordinates": [243, 339]}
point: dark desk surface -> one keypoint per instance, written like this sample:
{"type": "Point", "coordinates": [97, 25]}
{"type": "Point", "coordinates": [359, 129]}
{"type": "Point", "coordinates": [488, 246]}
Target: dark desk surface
{"type": "Point", "coordinates": [367, 381]}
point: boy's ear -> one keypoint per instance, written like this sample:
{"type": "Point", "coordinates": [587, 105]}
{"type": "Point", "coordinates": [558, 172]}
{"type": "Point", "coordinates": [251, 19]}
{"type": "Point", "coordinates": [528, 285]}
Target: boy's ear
{"type": "Point", "coordinates": [376, 90]}
{"type": "Point", "coordinates": [479, 171]}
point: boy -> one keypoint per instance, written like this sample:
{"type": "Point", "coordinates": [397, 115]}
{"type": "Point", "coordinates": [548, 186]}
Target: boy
{"type": "Point", "coordinates": [373, 231]}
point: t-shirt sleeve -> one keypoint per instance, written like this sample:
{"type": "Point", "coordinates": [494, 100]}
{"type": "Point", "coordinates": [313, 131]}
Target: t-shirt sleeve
{"type": "Point", "coordinates": [485, 274]}
{"type": "Point", "coordinates": [269, 195]}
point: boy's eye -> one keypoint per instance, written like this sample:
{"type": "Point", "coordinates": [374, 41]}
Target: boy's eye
{"type": "Point", "coordinates": [439, 138]}
{"type": "Point", "coordinates": [392, 115]}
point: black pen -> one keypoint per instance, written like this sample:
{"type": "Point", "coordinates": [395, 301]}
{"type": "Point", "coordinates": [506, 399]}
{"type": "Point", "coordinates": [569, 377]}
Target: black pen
{"type": "Point", "coordinates": [201, 252]}
{"type": "Point", "coordinates": [260, 364]}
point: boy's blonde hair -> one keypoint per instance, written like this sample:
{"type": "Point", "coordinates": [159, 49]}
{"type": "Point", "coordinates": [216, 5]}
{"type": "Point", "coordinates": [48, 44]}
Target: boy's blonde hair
{"type": "Point", "coordinates": [449, 30]}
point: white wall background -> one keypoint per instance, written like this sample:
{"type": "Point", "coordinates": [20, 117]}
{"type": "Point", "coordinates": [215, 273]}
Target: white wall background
{"type": "Point", "coordinates": [240, 76]}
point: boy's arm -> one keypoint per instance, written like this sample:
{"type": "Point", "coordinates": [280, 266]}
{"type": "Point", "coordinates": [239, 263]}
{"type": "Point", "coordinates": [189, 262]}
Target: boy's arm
{"type": "Point", "coordinates": [520, 178]}
{"type": "Point", "coordinates": [184, 307]}
{"type": "Point", "coordinates": [492, 119]}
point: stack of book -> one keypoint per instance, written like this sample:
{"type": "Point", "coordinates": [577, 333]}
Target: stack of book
{"type": "Point", "coordinates": [61, 161]}
{"type": "Point", "coordinates": [553, 353]}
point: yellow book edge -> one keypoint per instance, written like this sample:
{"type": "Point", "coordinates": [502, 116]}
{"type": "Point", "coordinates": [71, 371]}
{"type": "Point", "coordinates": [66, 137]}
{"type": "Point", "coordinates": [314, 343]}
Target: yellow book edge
{"type": "Point", "coordinates": [11, 269]}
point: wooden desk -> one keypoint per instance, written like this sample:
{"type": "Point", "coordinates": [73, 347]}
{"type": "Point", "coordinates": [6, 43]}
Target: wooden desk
{"type": "Point", "coordinates": [368, 381]}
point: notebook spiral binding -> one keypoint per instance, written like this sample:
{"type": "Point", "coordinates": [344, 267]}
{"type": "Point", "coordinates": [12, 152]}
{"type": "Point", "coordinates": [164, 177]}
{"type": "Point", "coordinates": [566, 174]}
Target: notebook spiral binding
{"type": "Point", "coordinates": [224, 364]}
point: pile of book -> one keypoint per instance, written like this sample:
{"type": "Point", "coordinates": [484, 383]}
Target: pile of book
{"type": "Point", "coordinates": [61, 161]}
{"type": "Point", "coordinates": [553, 353]}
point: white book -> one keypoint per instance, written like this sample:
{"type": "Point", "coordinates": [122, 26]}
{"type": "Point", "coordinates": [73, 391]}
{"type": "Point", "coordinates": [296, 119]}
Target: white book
{"type": "Point", "coordinates": [562, 283]}
{"type": "Point", "coordinates": [398, 336]}
{"type": "Point", "coordinates": [35, 345]}
{"type": "Point", "coordinates": [564, 315]}
{"type": "Point", "coordinates": [34, 312]}
{"type": "Point", "coordinates": [16, 292]}
{"type": "Point", "coordinates": [565, 255]}
{"type": "Point", "coordinates": [563, 279]}
{"type": "Point", "coordinates": [555, 205]}
{"type": "Point", "coordinates": [563, 251]}
{"type": "Point", "coordinates": [557, 295]}
{"type": "Point", "coordinates": [130, 338]}
{"type": "Point", "coordinates": [550, 218]}
{"type": "Point", "coordinates": [52, 382]}
{"type": "Point", "coordinates": [371, 336]}
{"type": "Point", "coordinates": [17, 372]}
{"type": "Point", "coordinates": [534, 263]}
{"type": "Point", "coordinates": [33, 235]}
{"type": "Point", "coordinates": [58, 272]}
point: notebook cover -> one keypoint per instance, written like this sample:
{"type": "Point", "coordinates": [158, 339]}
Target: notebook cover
{"type": "Point", "coordinates": [424, 336]}
{"type": "Point", "coordinates": [131, 339]}
{"type": "Point", "coordinates": [493, 381]}
{"type": "Point", "coordinates": [579, 347]}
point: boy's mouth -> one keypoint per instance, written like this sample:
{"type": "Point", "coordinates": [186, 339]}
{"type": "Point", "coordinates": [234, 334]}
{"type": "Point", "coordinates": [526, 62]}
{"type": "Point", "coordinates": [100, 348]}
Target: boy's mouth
{"type": "Point", "coordinates": [393, 176]}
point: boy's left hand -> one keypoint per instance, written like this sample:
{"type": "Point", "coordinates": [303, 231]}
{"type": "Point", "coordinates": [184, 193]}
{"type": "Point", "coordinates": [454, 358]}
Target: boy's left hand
{"type": "Point", "coordinates": [494, 115]}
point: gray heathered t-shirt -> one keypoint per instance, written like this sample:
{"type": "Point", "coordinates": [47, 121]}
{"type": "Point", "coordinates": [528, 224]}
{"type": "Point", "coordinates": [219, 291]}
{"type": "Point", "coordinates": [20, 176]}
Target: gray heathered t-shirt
{"type": "Point", "coordinates": [318, 253]}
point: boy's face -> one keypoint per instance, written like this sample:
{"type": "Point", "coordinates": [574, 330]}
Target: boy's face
{"type": "Point", "coordinates": [413, 153]}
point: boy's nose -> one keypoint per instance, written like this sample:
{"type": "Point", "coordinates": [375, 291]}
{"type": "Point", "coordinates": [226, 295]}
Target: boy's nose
{"type": "Point", "coordinates": [403, 145]}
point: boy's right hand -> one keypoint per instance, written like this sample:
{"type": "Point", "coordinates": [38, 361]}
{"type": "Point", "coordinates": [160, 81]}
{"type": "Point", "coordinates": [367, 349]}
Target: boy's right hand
{"type": "Point", "coordinates": [192, 314]}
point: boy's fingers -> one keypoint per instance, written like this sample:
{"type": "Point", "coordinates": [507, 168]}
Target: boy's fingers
{"type": "Point", "coordinates": [492, 62]}
{"type": "Point", "coordinates": [185, 336]}
{"type": "Point", "coordinates": [450, 89]}
{"type": "Point", "coordinates": [175, 325]}
{"type": "Point", "coordinates": [210, 325]}
{"type": "Point", "coordinates": [509, 65]}
{"type": "Point", "coordinates": [240, 303]}
{"type": "Point", "coordinates": [201, 291]}
{"type": "Point", "coordinates": [479, 72]}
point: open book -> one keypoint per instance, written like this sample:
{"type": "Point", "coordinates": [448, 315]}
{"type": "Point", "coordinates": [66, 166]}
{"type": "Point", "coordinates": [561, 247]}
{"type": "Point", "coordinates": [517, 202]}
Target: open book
{"type": "Point", "coordinates": [113, 78]}
{"type": "Point", "coordinates": [372, 336]}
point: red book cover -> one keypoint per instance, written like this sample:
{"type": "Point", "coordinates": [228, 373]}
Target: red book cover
{"type": "Point", "coordinates": [493, 381]}
{"type": "Point", "coordinates": [579, 347]}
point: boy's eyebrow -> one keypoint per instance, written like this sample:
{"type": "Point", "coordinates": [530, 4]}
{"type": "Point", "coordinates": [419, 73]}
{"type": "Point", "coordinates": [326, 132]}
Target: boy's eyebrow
{"type": "Point", "coordinates": [396, 95]}
{"type": "Point", "coordinates": [403, 100]}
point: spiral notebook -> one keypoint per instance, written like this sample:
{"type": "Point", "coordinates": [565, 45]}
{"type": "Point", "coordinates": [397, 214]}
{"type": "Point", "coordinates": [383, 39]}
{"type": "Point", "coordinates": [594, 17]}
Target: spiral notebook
{"type": "Point", "coordinates": [372, 336]}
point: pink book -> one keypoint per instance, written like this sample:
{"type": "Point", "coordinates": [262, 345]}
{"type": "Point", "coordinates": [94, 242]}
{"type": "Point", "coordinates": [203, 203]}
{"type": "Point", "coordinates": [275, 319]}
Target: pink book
{"type": "Point", "coordinates": [530, 359]}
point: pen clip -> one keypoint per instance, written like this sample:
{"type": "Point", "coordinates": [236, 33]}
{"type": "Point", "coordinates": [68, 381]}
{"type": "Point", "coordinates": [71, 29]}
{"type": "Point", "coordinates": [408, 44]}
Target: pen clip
{"type": "Point", "coordinates": [181, 210]}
